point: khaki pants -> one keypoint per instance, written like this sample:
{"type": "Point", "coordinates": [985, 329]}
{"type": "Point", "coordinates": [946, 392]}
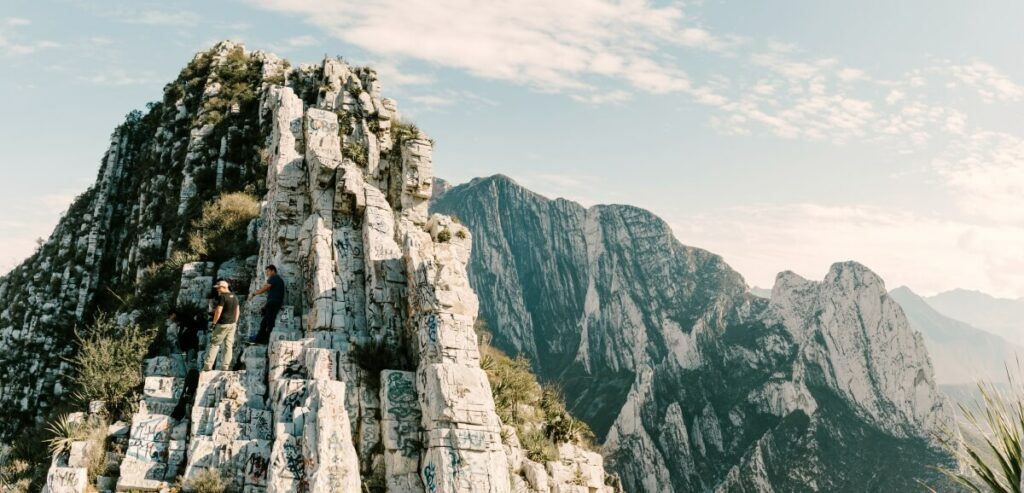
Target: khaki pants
{"type": "Point", "coordinates": [222, 340]}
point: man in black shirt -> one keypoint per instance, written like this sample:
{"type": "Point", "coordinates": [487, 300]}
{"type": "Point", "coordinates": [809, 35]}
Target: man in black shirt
{"type": "Point", "coordinates": [275, 290]}
{"type": "Point", "coordinates": [225, 320]}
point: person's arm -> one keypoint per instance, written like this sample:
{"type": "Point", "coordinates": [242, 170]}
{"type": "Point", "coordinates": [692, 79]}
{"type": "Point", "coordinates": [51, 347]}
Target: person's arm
{"type": "Point", "coordinates": [216, 313]}
{"type": "Point", "coordinates": [264, 289]}
{"type": "Point", "coordinates": [238, 313]}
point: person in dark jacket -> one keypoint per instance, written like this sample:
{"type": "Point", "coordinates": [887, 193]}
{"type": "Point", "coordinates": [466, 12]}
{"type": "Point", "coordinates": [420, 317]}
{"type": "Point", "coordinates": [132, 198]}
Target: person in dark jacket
{"type": "Point", "coordinates": [274, 287]}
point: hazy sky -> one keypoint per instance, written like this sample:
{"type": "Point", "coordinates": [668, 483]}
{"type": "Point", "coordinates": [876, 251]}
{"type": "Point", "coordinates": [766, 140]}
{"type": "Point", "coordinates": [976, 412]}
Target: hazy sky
{"type": "Point", "coordinates": [781, 135]}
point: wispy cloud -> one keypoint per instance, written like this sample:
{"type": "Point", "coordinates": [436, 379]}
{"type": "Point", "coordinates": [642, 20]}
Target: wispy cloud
{"type": "Point", "coordinates": [552, 46]}
{"type": "Point", "coordinates": [119, 77]}
{"type": "Point", "coordinates": [930, 253]}
{"type": "Point", "coordinates": [13, 43]}
{"type": "Point", "coordinates": [991, 84]}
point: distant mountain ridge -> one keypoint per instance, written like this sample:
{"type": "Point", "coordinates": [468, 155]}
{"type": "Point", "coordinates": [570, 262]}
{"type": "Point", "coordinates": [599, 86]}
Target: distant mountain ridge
{"type": "Point", "coordinates": [692, 382]}
{"type": "Point", "coordinates": [1001, 316]}
{"type": "Point", "coordinates": [961, 353]}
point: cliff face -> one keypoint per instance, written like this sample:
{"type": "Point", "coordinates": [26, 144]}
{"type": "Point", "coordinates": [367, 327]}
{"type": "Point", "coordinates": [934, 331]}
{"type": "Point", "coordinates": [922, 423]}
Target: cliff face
{"type": "Point", "coordinates": [372, 379]}
{"type": "Point", "coordinates": [692, 383]}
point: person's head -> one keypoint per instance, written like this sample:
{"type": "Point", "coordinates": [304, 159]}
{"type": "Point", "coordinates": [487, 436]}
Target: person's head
{"type": "Point", "coordinates": [222, 287]}
{"type": "Point", "coordinates": [271, 270]}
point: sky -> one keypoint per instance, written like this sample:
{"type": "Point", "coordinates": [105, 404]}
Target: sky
{"type": "Point", "coordinates": [781, 135]}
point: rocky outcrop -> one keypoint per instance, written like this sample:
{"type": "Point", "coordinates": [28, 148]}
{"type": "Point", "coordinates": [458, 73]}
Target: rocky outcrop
{"type": "Point", "coordinates": [372, 378]}
{"type": "Point", "coordinates": [691, 382]}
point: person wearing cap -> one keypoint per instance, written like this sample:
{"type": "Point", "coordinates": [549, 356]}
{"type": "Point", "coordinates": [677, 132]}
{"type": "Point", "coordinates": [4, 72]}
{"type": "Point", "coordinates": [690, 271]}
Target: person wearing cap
{"type": "Point", "coordinates": [225, 320]}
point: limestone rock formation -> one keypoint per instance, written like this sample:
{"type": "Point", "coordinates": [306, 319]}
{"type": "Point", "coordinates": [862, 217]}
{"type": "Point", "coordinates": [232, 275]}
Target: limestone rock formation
{"type": "Point", "coordinates": [372, 378]}
{"type": "Point", "coordinates": [690, 382]}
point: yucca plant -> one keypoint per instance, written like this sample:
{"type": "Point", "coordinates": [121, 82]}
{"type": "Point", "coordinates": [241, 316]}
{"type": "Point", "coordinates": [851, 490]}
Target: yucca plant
{"type": "Point", "coordinates": [63, 432]}
{"type": "Point", "coordinates": [993, 463]}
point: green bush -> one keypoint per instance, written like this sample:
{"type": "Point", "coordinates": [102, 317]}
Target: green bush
{"type": "Point", "coordinates": [356, 152]}
{"type": "Point", "coordinates": [108, 365]}
{"type": "Point", "coordinates": [221, 232]}
{"type": "Point", "coordinates": [444, 236]}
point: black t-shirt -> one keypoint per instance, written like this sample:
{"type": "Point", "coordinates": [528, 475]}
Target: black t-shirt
{"type": "Point", "coordinates": [229, 313]}
{"type": "Point", "coordinates": [276, 293]}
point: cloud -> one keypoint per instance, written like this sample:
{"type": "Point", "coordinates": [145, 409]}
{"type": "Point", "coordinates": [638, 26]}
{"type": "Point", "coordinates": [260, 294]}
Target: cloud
{"type": "Point", "coordinates": [567, 46]}
{"type": "Point", "coordinates": [12, 44]}
{"type": "Point", "coordinates": [119, 77]}
{"type": "Point", "coordinates": [991, 84]}
{"type": "Point", "coordinates": [985, 173]}
{"type": "Point", "coordinates": [930, 253]}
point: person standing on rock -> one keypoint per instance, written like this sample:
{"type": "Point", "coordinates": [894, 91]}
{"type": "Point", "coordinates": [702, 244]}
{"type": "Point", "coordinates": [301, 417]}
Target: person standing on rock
{"type": "Point", "coordinates": [225, 323]}
{"type": "Point", "coordinates": [274, 287]}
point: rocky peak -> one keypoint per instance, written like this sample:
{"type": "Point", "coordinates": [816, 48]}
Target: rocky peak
{"type": "Point", "coordinates": [859, 342]}
{"type": "Point", "coordinates": [372, 378]}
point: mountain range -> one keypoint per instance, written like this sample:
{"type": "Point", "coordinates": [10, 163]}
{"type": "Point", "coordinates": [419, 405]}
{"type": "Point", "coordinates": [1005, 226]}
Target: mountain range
{"type": "Point", "coordinates": [1001, 316]}
{"type": "Point", "coordinates": [691, 382]}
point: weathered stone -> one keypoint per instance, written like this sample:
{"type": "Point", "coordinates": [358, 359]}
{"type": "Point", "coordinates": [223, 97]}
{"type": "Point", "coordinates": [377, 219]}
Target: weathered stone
{"type": "Point", "coordinates": [67, 480]}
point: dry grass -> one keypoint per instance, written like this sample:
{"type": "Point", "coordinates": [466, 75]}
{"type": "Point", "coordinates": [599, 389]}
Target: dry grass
{"type": "Point", "coordinates": [536, 411]}
{"type": "Point", "coordinates": [208, 481]}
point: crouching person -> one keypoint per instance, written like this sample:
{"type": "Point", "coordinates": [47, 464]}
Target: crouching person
{"type": "Point", "coordinates": [225, 320]}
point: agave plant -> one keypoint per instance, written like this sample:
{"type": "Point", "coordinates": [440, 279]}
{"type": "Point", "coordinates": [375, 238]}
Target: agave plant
{"type": "Point", "coordinates": [992, 463]}
{"type": "Point", "coordinates": [64, 431]}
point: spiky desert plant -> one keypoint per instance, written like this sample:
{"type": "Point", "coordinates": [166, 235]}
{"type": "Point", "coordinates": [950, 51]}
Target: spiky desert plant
{"type": "Point", "coordinates": [993, 464]}
{"type": "Point", "coordinates": [63, 431]}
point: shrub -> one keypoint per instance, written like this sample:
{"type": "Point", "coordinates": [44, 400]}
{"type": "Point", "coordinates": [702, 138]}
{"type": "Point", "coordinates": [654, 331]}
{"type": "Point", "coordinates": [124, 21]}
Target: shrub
{"type": "Point", "coordinates": [512, 384]}
{"type": "Point", "coordinates": [539, 448]}
{"type": "Point", "coordinates": [444, 236]}
{"type": "Point", "coordinates": [356, 152]}
{"type": "Point", "coordinates": [208, 481]}
{"type": "Point", "coordinates": [221, 232]}
{"type": "Point", "coordinates": [108, 365]}
{"type": "Point", "coordinates": [562, 426]}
